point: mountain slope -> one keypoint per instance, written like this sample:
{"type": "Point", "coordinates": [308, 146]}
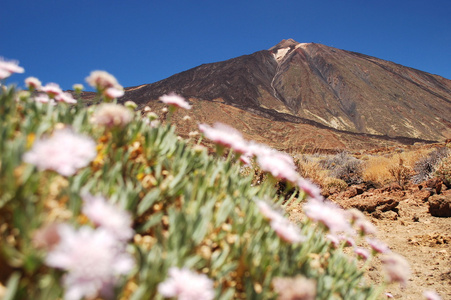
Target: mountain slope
{"type": "Point", "coordinates": [324, 87]}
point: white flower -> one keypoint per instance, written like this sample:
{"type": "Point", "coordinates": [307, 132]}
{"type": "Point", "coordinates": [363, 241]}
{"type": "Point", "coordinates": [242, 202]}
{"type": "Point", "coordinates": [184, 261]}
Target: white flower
{"type": "Point", "coordinates": [112, 115]}
{"type": "Point", "coordinates": [108, 216]}
{"type": "Point", "coordinates": [65, 97]}
{"type": "Point", "coordinates": [225, 135]}
{"type": "Point", "coordinates": [295, 288]}
{"type": "Point", "coordinates": [92, 259]}
{"type": "Point", "coordinates": [44, 98]}
{"type": "Point", "coordinates": [52, 89]}
{"type": "Point", "coordinates": [431, 295]}
{"type": "Point", "coordinates": [309, 188]}
{"type": "Point", "coordinates": [175, 100]}
{"type": "Point", "coordinates": [113, 93]}
{"type": "Point", "coordinates": [328, 214]}
{"type": "Point", "coordinates": [279, 165]}
{"type": "Point", "coordinates": [377, 246]}
{"type": "Point", "coordinates": [184, 284]}
{"type": "Point", "coordinates": [64, 152]}
{"type": "Point", "coordinates": [33, 83]}
{"type": "Point", "coordinates": [267, 211]}
{"type": "Point", "coordinates": [9, 67]}
{"type": "Point", "coordinates": [362, 253]}
{"type": "Point", "coordinates": [102, 80]}
{"type": "Point", "coordinates": [287, 231]}
{"type": "Point", "coordinates": [397, 268]}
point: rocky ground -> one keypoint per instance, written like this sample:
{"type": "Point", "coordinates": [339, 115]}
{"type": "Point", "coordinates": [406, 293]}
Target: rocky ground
{"type": "Point", "coordinates": [411, 220]}
{"type": "Point", "coordinates": [405, 223]}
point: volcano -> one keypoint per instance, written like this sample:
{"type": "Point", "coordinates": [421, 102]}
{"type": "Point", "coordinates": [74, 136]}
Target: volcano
{"type": "Point", "coordinates": [297, 94]}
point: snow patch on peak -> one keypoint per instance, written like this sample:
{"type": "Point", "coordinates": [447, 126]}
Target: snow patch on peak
{"type": "Point", "coordinates": [302, 45]}
{"type": "Point", "coordinates": [280, 54]}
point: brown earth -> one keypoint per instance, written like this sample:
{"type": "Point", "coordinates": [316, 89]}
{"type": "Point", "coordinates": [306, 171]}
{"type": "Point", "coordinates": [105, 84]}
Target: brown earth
{"type": "Point", "coordinates": [405, 224]}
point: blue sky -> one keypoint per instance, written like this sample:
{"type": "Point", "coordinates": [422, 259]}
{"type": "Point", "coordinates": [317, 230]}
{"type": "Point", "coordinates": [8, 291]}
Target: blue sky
{"type": "Point", "coordinates": [145, 41]}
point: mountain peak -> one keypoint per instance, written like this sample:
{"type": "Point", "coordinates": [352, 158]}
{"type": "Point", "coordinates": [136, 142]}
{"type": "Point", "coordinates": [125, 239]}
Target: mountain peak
{"type": "Point", "coordinates": [284, 44]}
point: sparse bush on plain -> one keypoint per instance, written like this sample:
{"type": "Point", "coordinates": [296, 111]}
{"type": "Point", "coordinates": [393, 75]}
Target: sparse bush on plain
{"type": "Point", "coordinates": [426, 167]}
{"type": "Point", "coordinates": [345, 167]}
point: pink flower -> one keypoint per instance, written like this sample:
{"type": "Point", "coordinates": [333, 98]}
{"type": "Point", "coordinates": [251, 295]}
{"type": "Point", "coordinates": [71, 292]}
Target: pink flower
{"type": "Point", "coordinates": [92, 259]}
{"type": "Point", "coordinates": [102, 80]}
{"type": "Point", "coordinates": [397, 268]}
{"type": "Point", "coordinates": [365, 227]}
{"type": "Point", "coordinates": [9, 67]}
{"type": "Point", "coordinates": [267, 211]}
{"type": "Point", "coordinates": [431, 295]}
{"type": "Point", "coordinates": [33, 83]}
{"type": "Point", "coordinates": [362, 253]}
{"type": "Point", "coordinates": [389, 295]}
{"type": "Point", "coordinates": [349, 241]}
{"type": "Point", "coordinates": [225, 135]}
{"type": "Point", "coordinates": [333, 239]}
{"type": "Point", "coordinates": [52, 89]}
{"type": "Point", "coordinates": [377, 246]}
{"type": "Point", "coordinates": [287, 231]}
{"type": "Point", "coordinates": [112, 115]}
{"type": "Point", "coordinates": [113, 93]}
{"type": "Point", "coordinates": [43, 98]}
{"type": "Point", "coordinates": [291, 288]}
{"type": "Point", "coordinates": [309, 188]}
{"type": "Point", "coordinates": [359, 220]}
{"type": "Point", "coordinates": [279, 165]}
{"type": "Point", "coordinates": [184, 284]}
{"type": "Point", "coordinates": [108, 216]}
{"type": "Point", "coordinates": [65, 97]}
{"type": "Point", "coordinates": [64, 152]}
{"type": "Point", "coordinates": [175, 100]}
{"type": "Point", "coordinates": [245, 160]}
{"type": "Point", "coordinates": [328, 214]}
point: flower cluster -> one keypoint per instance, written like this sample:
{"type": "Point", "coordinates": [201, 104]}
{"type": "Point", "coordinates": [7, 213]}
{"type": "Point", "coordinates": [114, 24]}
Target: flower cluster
{"type": "Point", "coordinates": [280, 165]}
{"type": "Point", "coordinates": [64, 152]}
{"type": "Point", "coordinates": [52, 92]}
{"type": "Point", "coordinates": [186, 285]}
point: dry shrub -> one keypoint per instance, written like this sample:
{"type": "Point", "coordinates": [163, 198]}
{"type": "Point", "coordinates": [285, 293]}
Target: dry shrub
{"type": "Point", "coordinates": [345, 167]}
{"type": "Point", "coordinates": [399, 167]}
{"type": "Point", "coordinates": [376, 170]}
{"type": "Point", "coordinates": [444, 171]}
{"type": "Point", "coordinates": [426, 167]}
{"type": "Point", "coordinates": [332, 185]}
{"type": "Point", "coordinates": [312, 170]}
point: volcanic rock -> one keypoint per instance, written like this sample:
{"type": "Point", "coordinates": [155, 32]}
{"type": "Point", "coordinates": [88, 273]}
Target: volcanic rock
{"type": "Point", "coordinates": [440, 205]}
{"type": "Point", "coordinates": [300, 95]}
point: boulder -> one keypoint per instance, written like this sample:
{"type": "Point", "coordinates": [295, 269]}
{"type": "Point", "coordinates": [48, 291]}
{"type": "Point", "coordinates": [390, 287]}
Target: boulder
{"type": "Point", "coordinates": [440, 205]}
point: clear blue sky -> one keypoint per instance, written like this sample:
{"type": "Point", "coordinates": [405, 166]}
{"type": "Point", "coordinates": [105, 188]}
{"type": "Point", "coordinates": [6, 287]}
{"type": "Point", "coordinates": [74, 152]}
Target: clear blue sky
{"type": "Point", "coordinates": [145, 41]}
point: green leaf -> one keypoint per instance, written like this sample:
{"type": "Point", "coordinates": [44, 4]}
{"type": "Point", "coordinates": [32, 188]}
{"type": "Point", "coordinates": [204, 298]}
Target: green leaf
{"type": "Point", "coordinates": [148, 200]}
{"type": "Point", "coordinates": [11, 286]}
